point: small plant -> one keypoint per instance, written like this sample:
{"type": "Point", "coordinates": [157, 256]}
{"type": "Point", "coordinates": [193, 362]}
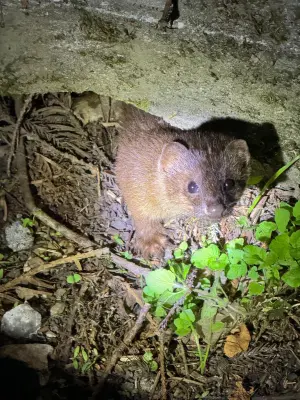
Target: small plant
{"type": "Point", "coordinates": [127, 255]}
{"type": "Point", "coordinates": [118, 240]}
{"type": "Point", "coordinates": [28, 222]}
{"type": "Point", "coordinates": [81, 359]}
{"type": "Point", "coordinates": [74, 278]}
{"type": "Point", "coordinates": [148, 358]}
{"type": "Point", "coordinates": [184, 298]}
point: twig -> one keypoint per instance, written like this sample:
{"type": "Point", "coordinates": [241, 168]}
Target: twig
{"type": "Point", "coordinates": [38, 213]}
{"type": "Point", "coordinates": [8, 297]}
{"type": "Point", "coordinates": [177, 378]}
{"type": "Point", "coordinates": [154, 385]}
{"type": "Point", "coordinates": [130, 266]}
{"type": "Point", "coordinates": [52, 264]}
{"type": "Point", "coordinates": [16, 132]}
{"type": "Point", "coordinates": [182, 353]}
{"type": "Point", "coordinates": [122, 347]}
{"type": "Point", "coordinates": [162, 367]}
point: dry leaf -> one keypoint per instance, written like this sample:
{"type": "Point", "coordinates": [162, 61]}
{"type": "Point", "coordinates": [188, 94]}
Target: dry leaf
{"type": "Point", "coordinates": [240, 393]}
{"type": "Point", "coordinates": [237, 342]}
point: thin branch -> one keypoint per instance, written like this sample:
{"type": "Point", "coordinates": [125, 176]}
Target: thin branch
{"type": "Point", "coordinates": [122, 347]}
{"type": "Point", "coordinates": [162, 367]}
{"type": "Point", "coordinates": [52, 264]}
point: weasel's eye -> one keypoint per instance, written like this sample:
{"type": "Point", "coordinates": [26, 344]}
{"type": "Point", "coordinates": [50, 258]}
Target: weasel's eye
{"type": "Point", "coordinates": [193, 187]}
{"type": "Point", "coordinates": [229, 184]}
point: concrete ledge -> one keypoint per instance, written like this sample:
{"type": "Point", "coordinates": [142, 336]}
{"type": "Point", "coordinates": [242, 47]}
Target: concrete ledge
{"type": "Point", "coordinates": [239, 59]}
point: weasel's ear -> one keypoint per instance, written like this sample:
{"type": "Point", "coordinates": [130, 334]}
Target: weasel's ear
{"type": "Point", "coordinates": [238, 149]}
{"type": "Point", "coordinates": [173, 155]}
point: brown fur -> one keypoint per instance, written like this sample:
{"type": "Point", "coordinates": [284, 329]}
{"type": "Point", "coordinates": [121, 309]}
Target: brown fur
{"type": "Point", "coordinates": [155, 164]}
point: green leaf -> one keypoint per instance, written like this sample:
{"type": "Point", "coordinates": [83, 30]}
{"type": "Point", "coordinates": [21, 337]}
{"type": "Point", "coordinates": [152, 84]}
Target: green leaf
{"type": "Point", "coordinates": [205, 283]}
{"type": "Point", "coordinates": [217, 326]}
{"type": "Point", "coordinates": [295, 239]}
{"type": "Point", "coordinates": [148, 356]}
{"type": "Point", "coordinates": [118, 240]}
{"type": "Point", "coordinates": [243, 222]}
{"type": "Point", "coordinates": [237, 270]}
{"type": "Point", "coordinates": [254, 255]}
{"type": "Point", "coordinates": [84, 354]}
{"type": "Point", "coordinates": [27, 222]}
{"type": "Point", "coordinates": [208, 312]}
{"type": "Point", "coordinates": [86, 366]}
{"type": "Point", "coordinates": [180, 270]}
{"type": "Point", "coordinates": [253, 274]}
{"type": "Point", "coordinates": [153, 366]}
{"type": "Point", "coordinates": [149, 294]}
{"type": "Point", "coordinates": [183, 246]}
{"type": "Point", "coordinates": [296, 210]}
{"type": "Point", "coordinates": [187, 315]}
{"type": "Point", "coordinates": [1, 257]}
{"type": "Point", "coordinates": [235, 244]}
{"type": "Point", "coordinates": [170, 298]}
{"type": "Point", "coordinates": [178, 253]}
{"type": "Point", "coordinates": [255, 288]}
{"type": "Point", "coordinates": [280, 246]}
{"type": "Point", "coordinates": [254, 180]}
{"type": "Point", "coordinates": [220, 264]}
{"type": "Point", "coordinates": [70, 279]}
{"type": "Point", "coordinates": [282, 218]}
{"type": "Point", "coordinates": [200, 258]}
{"type": "Point", "coordinates": [272, 272]}
{"type": "Point", "coordinates": [292, 277]}
{"type": "Point", "coordinates": [184, 322]}
{"type": "Point", "coordinates": [75, 364]}
{"type": "Point", "coordinates": [235, 255]}
{"type": "Point", "coordinates": [160, 280]}
{"type": "Point", "coordinates": [76, 351]}
{"type": "Point", "coordinates": [127, 255]}
{"type": "Point", "coordinates": [264, 230]}
{"type": "Point", "coordinates": [270, 259]}
{"type": "Point", "coordinates": [1, 273]}
{"type": "Point", "coordinates": [77, 278]}
{"type": "Point", "coordinates": [160, 312]}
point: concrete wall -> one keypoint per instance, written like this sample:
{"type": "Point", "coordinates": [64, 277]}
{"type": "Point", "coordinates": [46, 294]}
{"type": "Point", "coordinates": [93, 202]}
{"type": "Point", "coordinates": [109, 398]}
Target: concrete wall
{"type": "Point", "coordinates": [238, 58]}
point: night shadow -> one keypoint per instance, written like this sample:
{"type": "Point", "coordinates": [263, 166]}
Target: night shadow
{"type": "Point", "coordinates": [262, 139]}
{"type": "Point", "coordinates": [19, 382]}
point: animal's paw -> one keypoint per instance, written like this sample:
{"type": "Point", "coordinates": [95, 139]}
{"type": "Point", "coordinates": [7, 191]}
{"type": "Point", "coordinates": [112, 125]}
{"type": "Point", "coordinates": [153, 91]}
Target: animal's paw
{"type": "Point", "coordinates": [151, 246]}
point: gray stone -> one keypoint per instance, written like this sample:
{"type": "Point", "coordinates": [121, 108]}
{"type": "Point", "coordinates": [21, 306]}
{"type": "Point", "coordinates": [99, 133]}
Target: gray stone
{"type": "Point", "coordinates": [21, 322]}
{"type": "Point", "coordinates": [18, 237]}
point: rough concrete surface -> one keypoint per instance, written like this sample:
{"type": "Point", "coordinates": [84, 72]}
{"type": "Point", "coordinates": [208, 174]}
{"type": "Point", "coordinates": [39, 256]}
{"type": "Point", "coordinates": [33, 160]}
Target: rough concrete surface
{"type": "Point", "coordinates": [238, 58]}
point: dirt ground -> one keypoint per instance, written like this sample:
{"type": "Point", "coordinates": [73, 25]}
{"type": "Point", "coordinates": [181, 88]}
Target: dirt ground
{"type": "Point", "coordinates": [98, 327]}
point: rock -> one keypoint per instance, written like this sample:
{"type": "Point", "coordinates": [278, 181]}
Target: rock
{"type": "Point", "coordinates": [35, 355]}
{"type": "Point", "coordinates": [21, 322]}
{"type": "Point", "coordinates": [57, 309]}
{"type": "Point", "coordinates": [18, 237]}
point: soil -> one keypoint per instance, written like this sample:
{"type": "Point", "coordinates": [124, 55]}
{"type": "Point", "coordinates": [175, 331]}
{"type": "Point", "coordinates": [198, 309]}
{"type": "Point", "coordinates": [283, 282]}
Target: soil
{"type": "Point", "coordinates": [70, 167]}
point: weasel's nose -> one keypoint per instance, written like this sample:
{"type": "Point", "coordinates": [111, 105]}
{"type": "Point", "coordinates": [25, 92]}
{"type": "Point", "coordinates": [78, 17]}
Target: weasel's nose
{"type": "Point", "coordinates": [214, 209]}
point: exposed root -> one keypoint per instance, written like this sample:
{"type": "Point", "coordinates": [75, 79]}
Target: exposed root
{"type": "Point", "coordinates": [16, 132]}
